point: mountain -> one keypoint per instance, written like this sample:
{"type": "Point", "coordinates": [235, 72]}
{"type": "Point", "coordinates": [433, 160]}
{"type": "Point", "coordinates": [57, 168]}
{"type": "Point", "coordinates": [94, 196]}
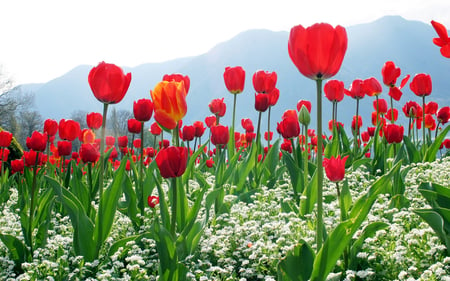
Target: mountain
{"type": "Point", "coordinates": [407, 43]}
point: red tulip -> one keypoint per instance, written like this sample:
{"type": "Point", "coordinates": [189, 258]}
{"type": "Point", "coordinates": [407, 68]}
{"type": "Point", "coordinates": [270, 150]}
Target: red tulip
{"type": "Point", "coordinates": [393, 133]}
{"type": "Point", "coordinates": [392, 113]}
{"type": "Point", "coordinates": [354, 123]}
{"type": "Point", "coordinates": [87, 136]}
{"type": "Point", "coordinates": [89, 153]}
{"type": "Point", "coordinates": [305, 103]}
{"type": "Point", "coordinates": [261, 102]}
{"type": "Point", "coordinates": [210, 121]}
{"type": "Point", "coordinates": [176, 77]}
{"type": "Point", "coordinates": [268, 135]}
{"type": "Point", "coordinates": [17, 166]}
{"type": "Point", "coordinates": [334, 90]}
{"type": "Point", "coordinates": [188, 133]}
{"type": "Point", "coordinates": [219, 135]}
{"type": "Point", "coordinates": [372, 87]}
{"type": "Point", "coordinates": [172, 161]}
{"type": "Point", "coordinates": [365, 136]}
{"type": "Point", "coordinates": [247, 124]}
{"type": "Point", "coordinates": [421, 85]}
{"type": "Point", "coordinates": [264, 81]}
{"type": "Point", "coordinates": [357, 90]}
{"type": "Point", "coordinates": [199, 128]}
{"type": "Point", "coordinates": [430, 123]}
{"type": "Point", "coordinates": [218, 107]}
{"type": "Point", "coordinates": [209, 163]}
{"type": "Point", "coordinates": [380, 105]}
{"type": "Point", "coordinates": [5, 138]}
{"type": "Point", "coordinates": [431, 107]}
{"type": "Point", "coordinates": [412, 109]}
{"type": "Point", "coordinates": [37, 141]}
{"type": "Point", "coordinates": [108, 83]}
{"type": "Point", "coordinates": [317, 51]}
{"type": "Point", "coordinates": [289, 127]}
{"type": "Point", "coordinates": [155, 129]}
{"type": "Point", "coordinates": [137, 143]}
{"type": "Point", "coordinates": [143, 110]}
{"type": "Point", "coordinates": [234, 78]}
{"type": "Point", "coordinates": [371, 131]}
{"type": "Point", "coordinates": [169, 103]}
{"type": "Point", "coordinates": [273, 96]}
{"type": "Point", "coordinates": [443, 115]}
{"type": "Point", "coordinates": [390, 75]}
{"type": "Point", "coordinates": [134, 126]}
{"type": "Point", "coordinates": [109, 141]}
{"type": "Point", "coordinates": [50, 127]}
{"type": "Point", "coordinates": [69, 129]}
{"type": "Point", "coordinates": [443, 41]}
{"type": "Point", "coordinates": [122, 141]}
{"type": "Point", "coordinates": [286, 146]}
{"type": "Point", "coordinates": [94, 120]}
{"type": "Point", "coordinates": [64, 148]}
{"type": "Point", "coordinates": [152, 201]}
{"type": "Point", "coordinates": [335, 168]}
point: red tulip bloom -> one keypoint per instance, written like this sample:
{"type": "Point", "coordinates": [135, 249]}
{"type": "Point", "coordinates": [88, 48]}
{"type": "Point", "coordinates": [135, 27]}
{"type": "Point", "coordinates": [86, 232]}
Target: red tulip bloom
{"type": "Point", "coordinates": [64, 148]}
{"type": "Point", "coordinates": [37, 141]}
{"type": "Point", "coordinates": [431, 107]}
{"type": "Point", "coordinates": [334, 90]}
{"type": "Point", "coordinates": [305, 103]}
{"type": "Point", "coordinates": [443, 41]}
{"type": "Point", "coordinates": [264, 81]}
{"type": "Point", "coordinates": [89, 153]}
{"type": "Point", "coordinates": [143, 110]}
{"type": "Point", "coordinates": [69, 129]}
{"type": "Point", "coordinates": [371, 131]}
{"type": "Point", "coordinates": [152, 201]}
{"type": "Point", "coordinates": [372, 87]}
{"type": "Point", "coordinates": [94, 120]}
{"type": "Point", "coordinates": [392, 112]}
{"type": "Point", "coordinates": [357, 90]}
{"type": "Point", "coordinates": [122, 141]}
{"type": "Point", "coordinates": [176, 77]}
{"type": "Point", "coordinates": [134, 126]}
{"type": "Point", "coordinates": [286, 146]}
{"type": "Point", "coordinates": [17, 166]}
{"type": "Point", "coordinates": [188, 133]}
{"type": "Point", "coordinates": [199, 128]}
{"type": "Point", "coordinates": [87, 136]}
{"type": "Point", "coordinates": [137, 143]}
{"type": "Point", "coordinates": [268, 135]}
{"type": "Point", "coordinates": [289, 127]}
{"type": "Point", "coordinates": [430, 123]}
{"type": "Point", "coordinates": [443, 115]}
{"type": "Point", "coordinates": [50, 127]}
{"type": "Point", "coordinates": [393, 133]}
{"type": "Point", "coordinates": [234, 78]}
{"type": "Point", "coordinates": [262, 102]}
{"type": "Point", "coordinates": [209, 163]}
{"type": "Point", "coordinates": [218, 107]}
{"type": "Point", "coordinates": [109, 141]}
{"type": "Point", "coordinates": [5, 138]}
{"type": "Point", "coordinates": [247, 124]}
{"type": "Point", "coordinates": [380, 105]}
{"type": "Point", "coordinates": [365, 136]}
{"type": "Point", "coordinates": [421, 85]}
{"type": "Point", "coordinates": [172, 161]}
{"type": "Point", "coordinates": [412, 109]}
{"type": "Point", "coordinates": [317, 51]}
{"type": "Point", "coordinates": [109, 83]}
{"type": "Point", "coordinates": [273, 96]}
{"type": "Point", "coordinates": [390, 75]}
{"type": "Point", "coordinates": [169, 103]}
{"type": "Point", "coordinates": [335, 168]}
{"type": "Point", "coordinates": [210, 121]}
{"type": "Point", "coordinates": [220, 135]}
{"type": "Point", "coordinates": [354, 123]}
{"type": "Point", "coordinates": [332, 123]}
{"type": "Point", "coordinates": [155, 129]}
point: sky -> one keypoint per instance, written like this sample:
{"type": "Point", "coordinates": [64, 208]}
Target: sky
{"type": "Point", "coordinates": [44, 39]}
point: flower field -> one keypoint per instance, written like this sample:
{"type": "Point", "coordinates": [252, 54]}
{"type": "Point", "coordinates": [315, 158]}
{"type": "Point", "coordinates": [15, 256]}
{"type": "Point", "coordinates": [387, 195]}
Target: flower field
{"type": "Point", "coordinates": [289, 203]}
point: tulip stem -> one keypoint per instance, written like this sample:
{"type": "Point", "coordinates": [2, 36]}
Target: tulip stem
{"type": "Point", "coordinates": [268, 128]}
{"type": "Point", "coordinates": [258, 144]}
{"type": "Point", "coordinates": [174, 207]}
{"type": "Point", "coordinates": [33, 193]}
{"type": "Point", "coordinates": [423, 123]}
{"type": "Point", "coordinates": [100, 176]}
{"type": "Point", "coordinates": [319, 233]}
{"type": "Point", "coordinates": [141, 176]}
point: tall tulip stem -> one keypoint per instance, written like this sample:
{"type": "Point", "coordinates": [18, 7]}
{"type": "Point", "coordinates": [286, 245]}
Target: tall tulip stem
{"type": "Point", "coordinates": [141, 175]}
{"type": "Point", "coordinates": [102, 170]}
{"type": "Point", "coordinates": [268, 128]}
{"type": "Point", "coordinates": [319, 233]}
{"type": "Point", "coordinates": [423, 122]}
{"type": "Point", "coordinates": [174, 207]}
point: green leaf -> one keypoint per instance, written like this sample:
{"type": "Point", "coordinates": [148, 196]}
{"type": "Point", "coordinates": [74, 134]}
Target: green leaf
{"type": "Point", "coordinates": [122, 243]}
{"type": "Point", "coordinates": [83, 242]}
{"type": "Point", "coordinates": [17, 249]}
{"type": "Point", "coordinates": [430, 154]}
{"type": "Point", "coordinates": [309, 197]}
{"type": "Point", "coordinates": [437, 223]}
{"type": "Point", "coordinates": [245, 168]}
{"type": "Point", "coordinates": [413, 153]}
{"type": "Point", "coordinates": [108, 204]}
{"type": "Point", "coordinates": [298, 264]}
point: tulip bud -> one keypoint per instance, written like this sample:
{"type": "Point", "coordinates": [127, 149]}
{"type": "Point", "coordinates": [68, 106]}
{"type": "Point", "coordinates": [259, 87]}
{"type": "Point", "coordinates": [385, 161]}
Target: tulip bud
{"type": "Point", "coordinates": [303, 116]}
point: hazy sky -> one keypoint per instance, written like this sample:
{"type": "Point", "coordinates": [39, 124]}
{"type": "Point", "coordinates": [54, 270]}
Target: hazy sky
{"type": "Point", "coordinates": [43, 39]}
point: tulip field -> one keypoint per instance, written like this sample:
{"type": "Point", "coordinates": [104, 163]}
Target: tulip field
{"type": "Point", "coordinates": [239, 201]}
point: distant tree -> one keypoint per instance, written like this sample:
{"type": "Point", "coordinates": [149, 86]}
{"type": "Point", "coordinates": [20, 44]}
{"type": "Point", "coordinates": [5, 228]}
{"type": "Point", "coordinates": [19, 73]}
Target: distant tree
{"type": "Point", "coordinates": [29, 121]}
{"type": "Point", "coordinates": [118, 122]}
{"type": "Point", "coordinates": [80, 117]}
